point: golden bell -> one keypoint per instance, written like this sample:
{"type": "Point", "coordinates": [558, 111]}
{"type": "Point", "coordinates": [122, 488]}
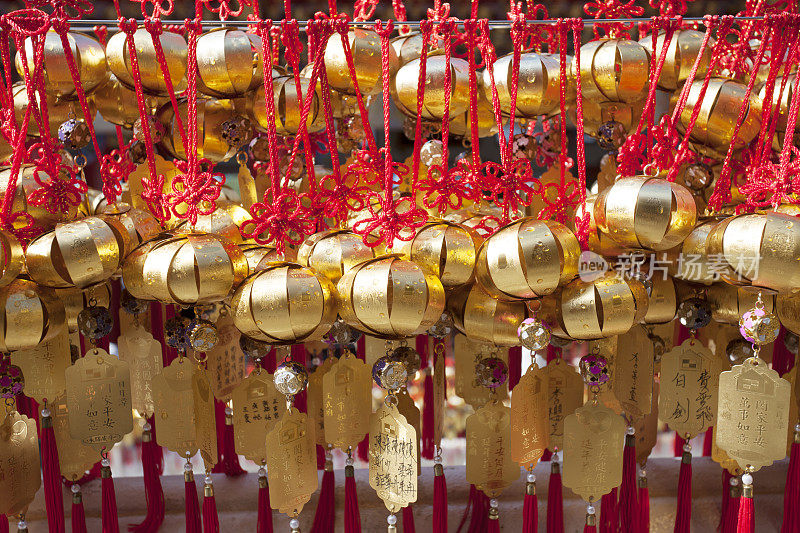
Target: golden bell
{"type": "Point", "coordinates": [30, 314]}
{"type": "Point", "coordinates": [26, 184]}
{"type": "Point", "coordinates": [152, 78]}
{"type": "Point", "coordinates": [288, 107]}
{"type": "Point", "coordinates": [729, 303]}
{"type": "Point", "coordinates": [259, 257]}
{"type": "Point", "coordinates": [596, 113]}
{"type": "Point", "coordinates": [443, 249]}
{"type": "Point", "coordinates": [79, 253]}
{"type": "Point", "coordinates": [189, 269]}
{"type": "Point", "coordinates": [225, 221]}
{"type": "Point", "coordinates": [483, 318]}
{"type": "Point", "coordinates": [527, 258]}
{"type": "Point", "coordinates": [758, 249]}
{"type": "Point", "coordinates": [332, 253]}
{"type": "Point", "coordinates": [538, 87]}
{"type": "Point", "coordinates": [646, 213]}
{"type": "Point", "coordinates": [13, 258]}
{"type": "Point", "coordinates": [58, 110]}
{"type": "Point", "coordinates": [211, 114]}
{"type": "Point", "coordinates": [229, 62]}
{"type": "Point", "coordinates": [390, 297]}
{"type": "Point", "coordinates": [595, 309]}
{"type": "Point", "coordinates": [408, 47]}
{"type": "Point", "coordinates": [117, 103]}
{"type": "Point", "coordinates": [718, 114]}
{"type": "Point", "coordinates": [662, 303]}
{"type": "Point", "coordinates": [94, 203]}
{"type": "Point", "coordinates": [89, 56]}
{"type": "Point", "coordinates": [694, 264]}
{"type": "Point", "coordinates": [76, 300]}
{"type": "Point", "coordinates": [780, 98]}
{"type": "Point", "coordinates": [787, 307]}
{"type": "Point", "coordinates": [684, 46]}
{"type": "Point", "coordinates": [365, 46]}
{"type": "Point", "coordinates": [461, 125]}
{"type": "Point", "coordinates": [285, 303]}
{"type": "Point", "coordinates": [141, 225]}
{"type": "Point", "coordinates": [598, 242]}
{"type": "Point", "coordinates": [613, 69]}
{"type": "Point", "coordinates": [404, 87]}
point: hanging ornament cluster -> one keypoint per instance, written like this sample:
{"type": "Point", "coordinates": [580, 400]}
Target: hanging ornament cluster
{"type": "Point", "coordinates": [216, 291]}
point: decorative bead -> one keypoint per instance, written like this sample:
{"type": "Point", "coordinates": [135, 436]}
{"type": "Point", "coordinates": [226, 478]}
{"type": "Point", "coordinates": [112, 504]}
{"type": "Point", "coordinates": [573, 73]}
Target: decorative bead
{"type": "Point", "coordinates": [391, 519]}
{"type": "Point", "coordinates": [409, 357]}
{"type": "Point", "coordinates": [694, 313]}
{"type": "Point", "coordinates": [791, 341]}
{"type": "Point", "coordinates": [659, 346]}
{"type": "Point", "coordinates": [176, 332]}
{"type": "Point", "coordinates": [46, 413]}
{"type": "Point", "coordinates": [74, 134]}
{"type": "Point", "coordinates": [687, 447]}
{"type": "Point", "coordinates": [747, 479]}
{"type": "Point", "coordinates": [492, 372]}
{"type": "Point", "coordinates": [698, 177]}
{"type": "Point", "coordinates": [203, 336]}
{"type": "Point", "coordinates": [734, 481]}
{"type": "Point", "coordinates": [442, 327]}
{"type": "Point", "coordinates": [254, 348]}
{"type": "Point", "coordinates": [494, 503]}
{"type": "Point", "coordinates": [428, 129]}
{"type": "Point", "coordinates": [187, 467]}
{"type": "Point", "coordinates": [645, 279]}
{"type": "Point", "coordinates": [137, 152]}
{"type": "Point", "coordinates": [340, 332]}
{"type": "Point", "coordinates": [207, 480]}
{"type": "Point", "coordinates": [611, 135]}
{"type": "Point", "coordinates": [132, 305]}
{"type": "Point", "coordinates": [95, 322]}
{"type": "Point", "coordinates": [531, 477]}
{"type": "Point", "coordinates": [523, 146]}
{"type": "Point", "coordinates": [590, 509]}
{"type": "Point", "coordinates": [349, 461]}
{"type": "Point", "coordinates": [237, 131]}
{"type": "Point", "coordinates": [228, 411]}
{"type": "Point", "coordinates": [389, 373]}
{"type": "Point", "coordinates": [759, 326]}
{"type": "Point", "coordinates": [294, 523]}
{"type": "Point", "coordinates": [290, 378]}
{"type": "Point", "coordinates": [157, 130]}
{"type": "Point", "coordinates": [738, 350]}
{"type": "Point", "coordinates": [262, 472]}
{"type": "Point", "coordinates": [75, 488]}
{"type": "Point", "coordinates": [105, 462]}
{"type": "Point", "coordinates": [534, 334]}
{"type": "Point", "coordinates": [351, 134]}
{"type": "Point", "coordinates": [12, 381]}
{"type": "Point", "coordinates": [630, 431]}
{"type": "Point", "coordinates": [594, 369]}
{"type": "Point", "coordinates": [431, 153]}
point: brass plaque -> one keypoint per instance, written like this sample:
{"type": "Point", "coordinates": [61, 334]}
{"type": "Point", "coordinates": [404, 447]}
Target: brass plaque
{"type": "Point", "coordinates": [204, 418]}
{"type": "Point", "coordinates": [593, 443]}
{"type": "Point", "coordinates": [688, 388]}
{"type": "Point", "coordinates": [347, 398]}
{"type": "Point", "coordinates": [718, 455]}
{"type": "Point", "coordinates": [632, 379]}
{"type": "Point", "coordinates": [393, 453]}
{"type": "Point", "coordinates": [467, 354]}
{"type": "Point", "coordinates": [226, 364]}
{"type": "Point", "coordinates": [99, 400]}
{"type": "Point", "coordinates": [174, 408]}
{"type": "Point", "coordinates": [291, 462]}
{"type": "Point", "coordinates": [314, 403]}
{"type": "Point", "coordinates": [753, 414]}
{"type": "Point", "coordinates": [564, 395]}
{"type": "Point", "coordinates": [20, 476]}
{"type": "Point", "coordinates": [489, 463]}
{"type": "Point", "coordinates": [647, 428]}
{"type": "Point", "coordinates": [142, 353]}
{"type": "Point", "coordinates": [411, 413]}
{"type": "Point", "coordinates": [439, 393]}
{"type": "Point", "coordinates": [257, 407]}
{"type": "Point", "coordinates": [530, 428]}
{"type": "Point", "coordinates": [74, 457]}
{"type": "Point", "coordinates": [43, 367]}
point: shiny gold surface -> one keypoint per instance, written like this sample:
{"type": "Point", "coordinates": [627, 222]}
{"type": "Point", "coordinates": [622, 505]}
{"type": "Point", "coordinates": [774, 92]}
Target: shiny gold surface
{"type": "Point", "coordinates": [404, 87]}
{"type": "Point", "coordinates": [366, 52]}
{"type": "Point", "coordinates": [211, 114]}
{"type": "Point", "coordinates": [443, 249]}
{"type": "Point", "coordinates": [728, 302]}
{"type": "Point", "coordinates": [229, 62]}
{"type": "Point", "coordinates": [117, 102]}
{"type": "Point", "coordinates": [58, 110]}
{"type": "Point", "coordinates": [538, 88]}
{"type": "Point", "coordinates": [613, 69]}
{"type": "Point", "coordinates": [76, 300]}
{"type": "Point", "coordinates": [288, 106]}
{"type": "Point", "coordinates": [19, 459]}
{"type": "Point", "coordinates": [175, 52]}
{"type": "Point", "coordinates": [332, 253]}
{"type": "Point", "coordinates": [684, 46]}
{"type": "Point", "coordinates": [483, 318]}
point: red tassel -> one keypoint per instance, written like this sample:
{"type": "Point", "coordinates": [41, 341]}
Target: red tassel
{"type": "Point", "coordinates": [514, 366]}
{"type": "Point", "coordinates": [677, 445]}
{"type": "Point", "coordinates": [320, 457]}
{"type": "Point", "coordinates": [427, 417]}
{"type": "Point", "coordinates": [591, 520]}
{"type": "Point", "coordinates": [4, 524]}
{"type": "Point", "coordinates": [78, 518]}
{"type": "Point", "coordinates": [264, 520]}
{"type": "Point", "coordinates": [210, 516]}
{"type": "Point", "coordinates": [363, 449]}
{"type": "Point", "coordinates": [439, 499]}
{"type": "Point", "coordinates": [227, 458]}
{"type": "Point", "coordinates": [352, 517]}
{"type": "Point", "coordinates": [683, 517]}
{"type": "Point", "coordinates": [471, 502]}
{"type": "Point", "coordinates": [191, 507]}
{"type": "Point", "coordinates": [552, 352]}
{"type": "Point", "coordinates": [530, 507]}
{"type": "Point", "coordinates": [108, 511]}
{"type": "Point", "coordinates": [152, 467]}
{"type": "Point", "coordinates": [628, 506]}
{"type": "Point", "coordinates": [51, 476]}
{"type": "Point", "coordinates": [726, 496]}
{"type": "Point", "coordinates": [555, 500]}
{"type": "Point", "coordinates": [326, 505]}
{"type": "Point", "coordinates": [116, 289]}
{"type": "Point", "coordinates": [609, 513]}
{"type": "Point", "coordinates": [731, 515]}
{"type": "Point", "coordinates": [494, 522]}
{"type": "Point", "coordinates": [479, 520]}
{"type": "Point", "coordinates": [708, 441]}
{"type": "Point", "coordinates": [791, 494]}
{"type": "Point", "coordinates": [745, 522]}
{"type": "Point", "coordinates": [408, 520]}
{"type": "Point", "coordinates": [361, 347]}
{"type": "Point", "coordinates": [644, 504]}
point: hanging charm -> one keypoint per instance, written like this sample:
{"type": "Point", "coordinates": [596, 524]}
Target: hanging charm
{"type": "Point", "coordinates": [257, 407]}
{"type": "Point", "coordinates": [564, 396]}
{"type": "Point", "coordinates": [530, 430]}
{"type": "Point", "coordinates": [44, 366]}
{"type": "Point", "coordinates": [142, 353]}
{"type": "Point", "coordinates": [347, 400]}
{"type": "Point", "coordinates": [19, 463]}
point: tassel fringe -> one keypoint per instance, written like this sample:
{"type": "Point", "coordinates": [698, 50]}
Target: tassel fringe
{"type": "Point", "coordinates": [555, 499]}
{"type": "Point", "coordinates": [609, 512]}
{"type": "Point", "coordinates": [745, 522]}
{"type": "Point", "coordinates": [530, 507]}
{"type": "Point", "coordinates": [326, 509]}
{"type": "Point", "coordinates": [408, 519]}
{"type": "Point", "coordinates": [264, 520]}
{"type": "Point", "coordinates": [591, 520]}
{"type": "Point", "coordinates": [152, 467]}
{"type": "Point", "coordinates": [227, 458]}
{"type": "Point", "coordinates": [731, 512]}
{"type": "Point", "coordinates": [439, 499]}
{"type": "Point", "coordinates": [108, 511]}
{"type": "Point", "coordinates": [352, 516]}
{"type": "Point", "coordinates": [191, 506]}
{"type": "Point", "coordinates": [644, 503]}
{"type": "Point", "coordinates": [791, 495]}
{"type": "Point", "coordinates": [78, 518]}
{"type": "Point", "coordinates": [628, 506]}
{"type": "Point", "coordinates": [51, 475]}
{"type": "Point", "coordinates": [683, 517]}
{"type": "Point", "coordinates": [210, 516]}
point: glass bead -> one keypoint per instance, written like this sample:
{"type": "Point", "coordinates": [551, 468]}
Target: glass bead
{"type": "Point", "coordinates": [74, 134]}
{"type": "Point", "coordinates": [523, 146]}
{"type": "Point", "coordinates": [694, 313]}
{"type": "Point", "coordinates": [137, 152]}
{"type": "Point", "coordinates": [791, 341]}
{"type": "Point", "coordinates": [611, 135]}
{"type": "Point", "coordinates": [259, 148]}
{"type": "Point", "coordinates": [237, 131]}
{"type": "Point", "coordinates": [738, 350]}
{"type": "Point", "coordinates": [409, 357]}
{"type": "Point", "coordinates": [534, 334]}
{"type": "Point", "coordinates": [254, 348]}
{"type": "Point", "coordinates": [203, 336]}
{"type": "Point", "coordinates": [594, 369]}
{"type": "Point", "coordinates": [389, 373]}
{"type": "Point", "coordinates": [290, 378]}
{"type": "Point", "coordinates": [132, 305]}
{"type": "Point", "coordinates": [157, 130]}
{"type": "Point", "coordinates": [176, 332]}
{"type": "Point", "coordinates": [95, 322]}
{"type": "Point", "coordinates": [431, 153]}
{"type": "Point", "coordinates": [698, 176]}
{"type": "Point", "coordinates": [340, 332]}
{"type": "Point", "coordinates": [759, 326]}
{"type": "Point", "coordinates": [442, 327]}
{"type": "Point", "coordinates": [492, 372]}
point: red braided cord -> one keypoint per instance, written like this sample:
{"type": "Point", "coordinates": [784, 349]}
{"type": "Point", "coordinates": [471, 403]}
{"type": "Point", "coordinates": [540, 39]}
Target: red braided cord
{"type": "Point", "coordinates": [427, 29]}
{"type": "Point", "coordinates": [471, 27]}
{"type": "Point", "coordinates": [264, 28]}
{"type": "Point", "coordinates": [781, 46]}
{"type": "Point", "coordinates": [155, 29]}
{"type": "Point", "coordinates": [562, 96]}
{"type": "Point", "coordinates": [384, 31]}
{"type": "Point", "coordinates": [791, 122]}
{"type": "Point", "coordinates": [582, 224]}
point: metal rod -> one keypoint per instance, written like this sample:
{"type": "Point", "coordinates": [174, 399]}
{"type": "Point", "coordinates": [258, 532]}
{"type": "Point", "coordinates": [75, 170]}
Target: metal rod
{"type": "Point", "coordinates": [496, 24]}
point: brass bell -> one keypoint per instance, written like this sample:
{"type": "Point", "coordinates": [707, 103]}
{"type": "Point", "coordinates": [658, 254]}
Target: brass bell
{"type": "Point", "coordinates": [333, 253]}
{"type": "Point", "coordinates": [483, 318]}
{"type": "Point", "coordinates": [285, 303]}
{"type": "Point", "coordinates": [596, 113]}
{"type": "Point", "coordinates": [226, 221]}
{"type": "Point", "coordinates": [527, 258]}
{"type": "Point", "coordinates": [76, 300]}
{"type": "Point", "coordinates": [444, 249]}
{"type": "Point", "coordinates": [662, 302]}
{"type": "Point", "coordinates": [684, 46]}
{"type": "Point", "coordinates": [405, 87]}
{"type": "Point", "coordinates": [12, 257]}
{"type": "Point", "coordinates": [538, 87]}
{"type": "Point", "coordinates": [613, 69]}
{"type": "Point", "coordinates": [30, 314]}
{"type": "Point", "coordinates": [729, 303]}
{"type": "Point", "coordinates": [758, 249]}
{"type": "Point", "coordinates": [408, 47]}
{"type": "Point", "coordinates": [365, 46]}
{"type": "Point", "coordinates": [288, 107]}
{"type": "Point", "coordinates": [694, 263]}
{"type": "Point", "coordinates": [645, 212]}
{"type": "Point", "coordinates": [117, 103]}
{"type": "Point", "coordinates": [461, 125]}
{"type": "Point", "coordinates": [598, 241]}
{"type": "Point", "coordinates": [26, 184]}
{"type": "Point", "coordinates": [58, 110]}
{"type": "Point", "coordinates": [390, 297]}
{"type": "Point", "coordinates": [141, 225]}
{"type": "Point", "coordinates": [211, 114]}
{"type": "Point", "coordinates": [787, 307]}
{"type": "Point", "coordinates": [259, 256]}
{"type": "Point", "coordinates": [229, 62]}
{"type": "Point", "coordinates": [79, 253]}
{"type": "Point", "coordinates": [152, 78]}
{"type": "Point", "coordinates": [89, 56]}
{"type": "Point", "coordinates": [719, 112]}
